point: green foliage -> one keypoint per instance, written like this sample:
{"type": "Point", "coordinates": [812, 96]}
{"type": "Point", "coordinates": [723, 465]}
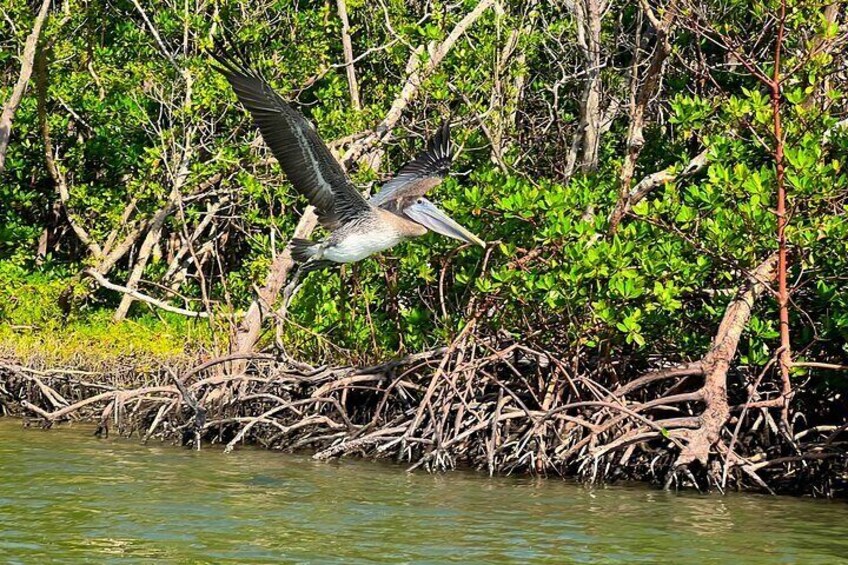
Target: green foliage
{"type": "Point", "coordinates": [120, 116]}
{"type": "Point", "coordinates": [35, 328]}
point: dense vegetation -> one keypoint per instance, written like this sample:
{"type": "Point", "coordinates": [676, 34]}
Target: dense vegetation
{"type": "Point", "coordinates": [622, 159]}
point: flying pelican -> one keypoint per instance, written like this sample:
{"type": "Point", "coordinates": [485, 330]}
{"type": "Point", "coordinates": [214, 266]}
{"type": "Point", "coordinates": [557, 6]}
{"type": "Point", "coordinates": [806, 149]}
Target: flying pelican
{"type": "Point", "coordinates": [358, 227]}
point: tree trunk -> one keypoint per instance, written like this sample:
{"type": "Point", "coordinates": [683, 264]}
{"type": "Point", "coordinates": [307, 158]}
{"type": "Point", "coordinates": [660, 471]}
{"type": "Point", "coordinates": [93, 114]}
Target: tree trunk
{"type": "Point", "coordinates": [23, 79]}
{"type": "Point", "coordinates": [716, 363]}
{"type": "Point", "coordinates": [639, 105]}
{"type": "Point", "coordinates": [588, 14]}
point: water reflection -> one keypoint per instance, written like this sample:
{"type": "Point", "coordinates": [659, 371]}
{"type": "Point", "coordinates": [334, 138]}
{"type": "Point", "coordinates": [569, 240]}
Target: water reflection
{"type": "Point", "coordinates": [67, 496]}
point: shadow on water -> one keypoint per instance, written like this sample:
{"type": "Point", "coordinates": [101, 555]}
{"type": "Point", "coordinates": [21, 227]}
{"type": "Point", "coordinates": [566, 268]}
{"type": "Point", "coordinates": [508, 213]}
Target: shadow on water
{"type": "Point", "coordinates": [67, 497]}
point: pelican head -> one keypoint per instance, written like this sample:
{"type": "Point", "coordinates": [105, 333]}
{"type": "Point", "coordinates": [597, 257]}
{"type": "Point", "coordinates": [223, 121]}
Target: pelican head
{"type": "Point", "coordinates": [429, 215]}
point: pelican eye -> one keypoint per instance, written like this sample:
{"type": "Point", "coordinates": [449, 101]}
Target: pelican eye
{"type": "Point", "coordinates": [420, 201]}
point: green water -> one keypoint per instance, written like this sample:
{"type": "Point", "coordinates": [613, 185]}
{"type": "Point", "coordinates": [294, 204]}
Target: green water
{"type": "Point", "coordinates": [68, 497]}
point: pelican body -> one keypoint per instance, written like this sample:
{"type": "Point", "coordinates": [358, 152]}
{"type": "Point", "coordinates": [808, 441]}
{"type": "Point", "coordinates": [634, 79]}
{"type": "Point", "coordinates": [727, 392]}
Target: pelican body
{"type": "Point", "coordinates": [357, 240]}
{"type": "Point", "coordinates": [358, 227]}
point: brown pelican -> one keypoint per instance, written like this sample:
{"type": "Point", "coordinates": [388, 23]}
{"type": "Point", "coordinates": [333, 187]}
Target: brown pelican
{"type": "Point", "coordinates": [358, 227]}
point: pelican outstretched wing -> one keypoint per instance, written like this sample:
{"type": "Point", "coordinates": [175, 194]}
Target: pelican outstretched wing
{"type": "Point", "coordinates": [307, 162]}
{"type": "Point", "coordinates": [421, 174]}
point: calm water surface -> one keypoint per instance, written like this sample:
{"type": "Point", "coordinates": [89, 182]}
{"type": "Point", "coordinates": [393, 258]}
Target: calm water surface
{"type": "Point", "coordinates": [66, 497]}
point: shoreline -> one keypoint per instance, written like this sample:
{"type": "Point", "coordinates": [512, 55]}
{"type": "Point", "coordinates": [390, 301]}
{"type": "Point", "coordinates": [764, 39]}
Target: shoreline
{"type": "Point", "coordinates": [348, 411]}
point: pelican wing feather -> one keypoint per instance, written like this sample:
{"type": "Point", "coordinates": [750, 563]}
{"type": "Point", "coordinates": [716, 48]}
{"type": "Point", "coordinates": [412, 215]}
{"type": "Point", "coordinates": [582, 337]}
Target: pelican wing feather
{"type": "Point", "coordinates": [421, 174]}
{"type": "Point", "coordinates": [304, 158]}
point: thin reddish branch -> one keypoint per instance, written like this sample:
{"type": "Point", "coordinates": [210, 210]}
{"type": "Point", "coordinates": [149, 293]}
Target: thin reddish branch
{"type": "Point", "coordinates": [774, 85]}
{"type": "Point", "coordinates": [782, 290]}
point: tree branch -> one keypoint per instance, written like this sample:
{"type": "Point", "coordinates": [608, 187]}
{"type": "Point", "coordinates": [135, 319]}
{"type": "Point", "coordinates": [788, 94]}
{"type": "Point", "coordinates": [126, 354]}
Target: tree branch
{"type": "Point", "coordinates": [659, 178]}
{"type": "Point", "coordinates": [348, 55]}
{"type": "Point", "coordinates": [14, 101]}
{"type": "Point", "coordinates": [646, 92]}
{"type": "Point", "coordinates": [415, 77]}
{"type": "Point", "coordinates": [105, 283]}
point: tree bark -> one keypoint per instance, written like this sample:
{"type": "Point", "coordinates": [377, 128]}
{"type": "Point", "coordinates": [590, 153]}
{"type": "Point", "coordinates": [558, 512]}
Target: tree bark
{"type": "Point", "coordinates": [785, 357]}
{"type": "Point", "coordinates": [588, 14]}
{"type": "Point", "coordinates": [716, 363]}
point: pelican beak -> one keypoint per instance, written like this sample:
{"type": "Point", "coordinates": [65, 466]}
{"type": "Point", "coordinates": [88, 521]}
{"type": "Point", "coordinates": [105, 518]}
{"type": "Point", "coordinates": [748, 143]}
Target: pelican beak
{"type": "Point", "coordinates": [431, 217]}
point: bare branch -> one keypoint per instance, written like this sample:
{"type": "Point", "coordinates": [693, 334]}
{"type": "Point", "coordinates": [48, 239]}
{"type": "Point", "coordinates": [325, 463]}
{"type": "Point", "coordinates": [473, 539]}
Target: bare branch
{"type": "Point", "coordinates": [105, 283]}
{"type": "Point", "coordinates": [659, 178]}
{"type": "Point", "coordinates": [348, 55]}
{"type": "Point", "coordinates": [154, 233]}
{"type": "Point", "coordinates": [639, 105]}
{"type": "Point", "coordinates": [417, 74]}
{"type": "Point", "coordinates": [14, 101]}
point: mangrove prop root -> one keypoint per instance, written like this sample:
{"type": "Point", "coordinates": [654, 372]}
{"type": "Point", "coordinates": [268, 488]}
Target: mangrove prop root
{"type": "Point", "coordinates": [477, 413]}
{"type": "Point", "coordinates": [483, 402]}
